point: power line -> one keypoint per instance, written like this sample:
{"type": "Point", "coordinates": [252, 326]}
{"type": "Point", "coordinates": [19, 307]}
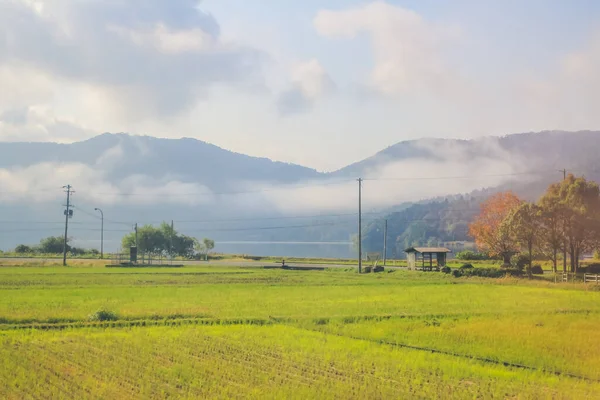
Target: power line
{"type": "Point", "coordinates": [98, 218]}
{"type": "Point", "coordinates": [192, 194]}
{"type": "Point", "coordinates": [458, 177]}
{"type": "Point", "coordinates": [194, 230]}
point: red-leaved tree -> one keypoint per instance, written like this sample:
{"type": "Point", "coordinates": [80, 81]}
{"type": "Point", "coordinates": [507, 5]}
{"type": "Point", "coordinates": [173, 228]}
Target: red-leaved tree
{"type": "Point", "coordinates": [488, 229]}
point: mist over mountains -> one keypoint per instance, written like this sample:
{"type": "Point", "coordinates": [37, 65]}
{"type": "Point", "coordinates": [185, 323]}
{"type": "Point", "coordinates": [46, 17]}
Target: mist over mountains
{"type": "Point", "coordinates": [209, 191]}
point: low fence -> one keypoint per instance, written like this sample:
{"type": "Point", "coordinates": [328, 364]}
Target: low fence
{"type": "Point", "coordinates": [574, 277]}
{"type": "Point", "coordinates": [142, 259]}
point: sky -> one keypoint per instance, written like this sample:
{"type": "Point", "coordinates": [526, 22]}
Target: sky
{"type": "Point", "coordinates": [318, 83]}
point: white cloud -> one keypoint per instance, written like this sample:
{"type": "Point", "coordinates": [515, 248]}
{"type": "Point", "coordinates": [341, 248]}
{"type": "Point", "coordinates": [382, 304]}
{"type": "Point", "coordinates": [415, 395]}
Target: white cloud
{"type": "Point", "coordinates": [95, 183]}
{"type": "Point", "coordinates": [169, 41]}
{"type": "Point", "coordinates": [33, 184]}
{"type": "Point", "coordinates": [310, 82]}
{"type": "Point", "coordinates": [312, 79]}
{"type": "Point", "coordinates": [122, 60]}
{"type": "Point", "coordinates": [569, 97]}
{"type": "Point", "coordinates": [38, 123]}
{"type": "Point", "coordinates": [407, 49]}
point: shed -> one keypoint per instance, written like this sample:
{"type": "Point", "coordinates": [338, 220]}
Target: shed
{"type": "Point", "coordinates": [423, 257]}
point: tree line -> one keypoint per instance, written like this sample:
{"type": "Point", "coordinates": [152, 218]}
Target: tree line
{"type": "Point", "coordinates": [566, 219]}
{"type": "Point", "coordinates": [54, 245]}
{"type": "Point", "coordinates": [152, 241]}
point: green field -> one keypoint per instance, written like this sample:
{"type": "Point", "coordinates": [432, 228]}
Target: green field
{"type": "Point", "coordinates": [218, 332]}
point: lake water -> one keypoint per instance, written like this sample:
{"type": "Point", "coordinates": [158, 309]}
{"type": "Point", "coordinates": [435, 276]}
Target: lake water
{"type": "Point", "coordinates": [288, 249]}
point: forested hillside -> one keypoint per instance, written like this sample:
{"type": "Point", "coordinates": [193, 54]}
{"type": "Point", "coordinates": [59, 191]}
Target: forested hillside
{"type": "Point", "coordinates": [432, 224]}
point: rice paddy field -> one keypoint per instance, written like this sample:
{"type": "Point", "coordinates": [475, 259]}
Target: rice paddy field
{"type": "Point", "coordinates": [219, 332]}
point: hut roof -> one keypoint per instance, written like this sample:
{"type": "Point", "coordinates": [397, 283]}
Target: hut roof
{"type": "Point", "coordinates": [427, 250]}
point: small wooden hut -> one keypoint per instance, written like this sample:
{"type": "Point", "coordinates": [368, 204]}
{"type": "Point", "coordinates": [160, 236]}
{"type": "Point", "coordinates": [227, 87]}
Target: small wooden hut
{"type": "Point", "coordinates": [423, 257]}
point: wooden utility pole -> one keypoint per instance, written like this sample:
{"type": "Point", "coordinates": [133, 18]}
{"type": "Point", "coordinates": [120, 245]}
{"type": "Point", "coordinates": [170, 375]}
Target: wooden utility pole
{"type": "Point", "coordinates": [564, 171]}
{"type": "Point", "coordinates": [385, 243]}
{"type": "Point", "coordinates": [360, 225]}
{"type": "Point", "coordinates": [67, 216]}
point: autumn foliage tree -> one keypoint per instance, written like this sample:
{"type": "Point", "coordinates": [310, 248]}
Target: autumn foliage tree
{"type": "Point", "coordinates": [489, 229]}
{"type": "Point", "coordinates": [525, 225]}
{"type": "Point", "coordinates": [574, 204]}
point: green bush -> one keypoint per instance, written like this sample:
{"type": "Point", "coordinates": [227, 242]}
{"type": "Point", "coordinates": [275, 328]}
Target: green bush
{"type": "Point", "coordinates": [537, 269]}
{"type": "Point", "coordinates": [103, 315]}
{"type": "Point", "coordinates": [486, 272]}
{"type": "Point", "coordinates": [520, 261]}
{"type": "Point", "coordinates": [446, 270]}
{"type": "Point", "coordinates": [466, 266]}
{"type": "Point", "coordinates": [23, 249]}
{"type": "Point", "coordinates": [469, 255]}
{"type": "Point", "coordinates": [590, 269]}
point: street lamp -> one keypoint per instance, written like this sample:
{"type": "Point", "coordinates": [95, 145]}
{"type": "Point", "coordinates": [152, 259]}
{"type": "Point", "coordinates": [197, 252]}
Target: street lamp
{"type": "Point", "coordinates": [101, 233]}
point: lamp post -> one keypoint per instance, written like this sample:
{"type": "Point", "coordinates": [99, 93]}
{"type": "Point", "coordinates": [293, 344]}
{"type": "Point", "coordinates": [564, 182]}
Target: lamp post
{"type": "Point", "coordinates": [101, 233]}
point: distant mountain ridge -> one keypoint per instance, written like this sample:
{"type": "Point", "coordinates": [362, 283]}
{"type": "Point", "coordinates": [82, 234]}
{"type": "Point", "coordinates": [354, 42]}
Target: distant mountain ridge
{"type": "Point", "coordinates": [187, 159]}
{"type": "Point", "coordinates": [123, 159]}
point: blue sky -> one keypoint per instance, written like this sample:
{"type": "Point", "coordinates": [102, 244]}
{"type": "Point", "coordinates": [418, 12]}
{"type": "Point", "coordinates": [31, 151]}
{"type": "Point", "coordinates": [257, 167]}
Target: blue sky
{"type": "Point", "coordinates": [317, 83]}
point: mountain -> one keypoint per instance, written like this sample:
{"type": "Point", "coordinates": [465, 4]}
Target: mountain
{"type": "Point", "coordinates": [420, 185]}
{"type": "Point", "coordinates": [542, 158]}
{"type": "Point", "coordinates": [188, 160]}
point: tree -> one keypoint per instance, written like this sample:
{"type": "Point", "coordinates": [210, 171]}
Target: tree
{"type": "Point", "coordinates": [209, 244]}
{"type": "Point", "coordinates": [577, 205]}
{"type": "Point", "coordinates": [200, 248]}
{"type": "Point", "coordinates": [150, 240]}
{"type": "Point", "coordinates": [551, 238]}
{"type": "Point", "coordinates": [524, 223]}
{"type": "Point", "coordinates": [161, 241]}
{"type": "Point", "coordinates": [23, 249]}
{"type": "Point", "coordinates": [183, 246]}
{"type": "Point", "coordinates": [53, 245]}
{"type": "Point", "coordinates": [489, 230]}
{"type": "Point", "coordinates": [204, 247]}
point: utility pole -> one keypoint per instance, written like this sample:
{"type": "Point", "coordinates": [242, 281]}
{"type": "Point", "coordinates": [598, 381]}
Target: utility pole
{"type": "Point", "coordinates": [565, 242]}
{"type": "Point", "coordinates": [385, 243]}
{"type": "Point", "coordinates": [68, 214]}
{"type": "Point", "coordinates": [360, 225]}
{"type": "Point", "coordinates": [101, 233]}
{"type": "Point", "coordinates": [136, 236]}
{"type": "Point", "coordinates": [171, 239]}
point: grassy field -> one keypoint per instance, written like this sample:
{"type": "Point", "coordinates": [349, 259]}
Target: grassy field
{"type": "Point", "coordinates": [219, 332]}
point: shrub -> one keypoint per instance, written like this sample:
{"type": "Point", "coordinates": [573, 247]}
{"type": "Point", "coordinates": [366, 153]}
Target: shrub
{"type": "Point", "coordinates": [103, 315]}
{"type": "Point", "coordinates": [471, 255]}
{"type": "Point", "coordinates": [466, 266]}
{"type": "Point", "coordinates": [591, 269]}
{"type": "Point", "coordinates": [23, 249]}
{"type": "Point", "coordinates": [446, 270]}
{"type": "Point", "coordinates": [486, 272]}
{"type": "Point", "coordinates": [537, 269]}
{"type": "Point", "coordinates": [513, 272]}
{"type": "Point", "coordinates": [520, 261]}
